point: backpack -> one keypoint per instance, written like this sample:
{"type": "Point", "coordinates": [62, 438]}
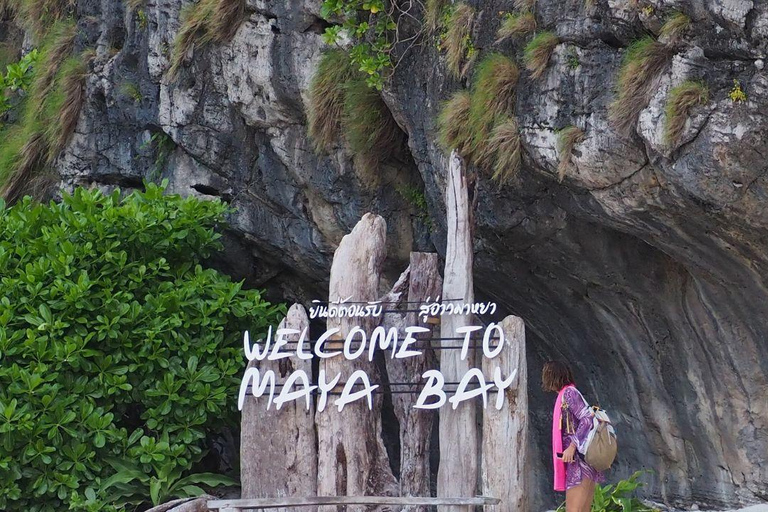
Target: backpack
{"type": "Point", "coordinates": [600, 447]}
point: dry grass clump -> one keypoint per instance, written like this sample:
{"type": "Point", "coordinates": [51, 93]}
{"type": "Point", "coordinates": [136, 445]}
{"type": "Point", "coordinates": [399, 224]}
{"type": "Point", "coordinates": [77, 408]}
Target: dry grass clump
{"type": "Point", "coordinates": [643, 62]}
{"type": "Point", "coordinates": [433, 10]}
{"type": "Point", "coordinates": [49, 117]}
{"type": "Point", "coordinates": [343, 107]}
{"type": "Point", "coordinates": [680, 100]}
{"type": "Point", "coordinates": [538, 51]}
{"type": "Point", "coordinates": [453, 123]}
{"type": "Point", "coordinates": [516, 25]}
{"type": "Point", "coordinates": [567, 138]}
{"type": "Point", "coordinates": [493, 95]}
{"type": "Point", "coordinates": [506, 149]}
{"type": "Point", "coordinates": [458, 39]}
{"type": "Point", "coordinates": [40, 15]}
{"type": "Point", "coordinates": [327, 92]}
{"type": "Point", "coordinates": [480, 124]}
{"type": "Point", "coordinates": [207, 21]}
{"type": "Point", "coordinates": [369, 128]}
{"type": "Point", "coordinates": [525, 5]}
{"type": "Point", "coordinates": [675, 28]}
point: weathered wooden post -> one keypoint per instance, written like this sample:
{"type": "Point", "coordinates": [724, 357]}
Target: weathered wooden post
{"type": "Point", "coordinates": [278, 453]}
{"type": "Point", "coordinates": [421, 281]}
{"type": "Point", "coordinates": [505, 432]}
{"type": "Point", "coordinates": [352, 460]}
{"type": "Point", "coordinates": [457, 474]}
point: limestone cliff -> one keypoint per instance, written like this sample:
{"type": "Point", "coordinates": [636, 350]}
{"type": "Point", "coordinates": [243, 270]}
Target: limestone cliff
{"type": "Point", "coordinates": [645, 266]}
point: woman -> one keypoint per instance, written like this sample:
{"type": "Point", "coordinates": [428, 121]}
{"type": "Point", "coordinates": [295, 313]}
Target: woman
{"type": "Point", "coordinates": [571, 422]}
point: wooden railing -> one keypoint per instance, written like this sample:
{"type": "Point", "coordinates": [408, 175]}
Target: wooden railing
{"type": "Point", "coordinates": [405, 501]}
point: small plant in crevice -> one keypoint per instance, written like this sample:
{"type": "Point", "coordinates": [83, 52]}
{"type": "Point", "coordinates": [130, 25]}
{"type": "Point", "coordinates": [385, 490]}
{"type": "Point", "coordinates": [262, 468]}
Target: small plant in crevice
{"type": "Point", "coordinates": [538, 51]}
{"type": "Point", "coordinates": [680, 100]}
{"type": "Point", "coordinates": [648, 10]}
{"type": "Point", "coordinates": [567, 138]}
{"type": "Point", "coordinates": [162, 145]}
{"type": "Point", "coordinates": [572, 58]}
{"type": "Point", "coordinates": [457, 43]}
{"type": "Point", "coordinates": [418, 201]}
{"type": "Point", "coordinates": [343, 107]}
{"type": "Point", "coordinates": [203, 23]}
{"type": "Point", "coordinates": [737, 94]}
{"type": "Point", "coordinates": [643, 61]}
{"type": "Point", "coordinates": [673, 30]}
{"type": "Point", "coordinates": [132, 91]}
{"type": "Point", "coordinates": [516, 24]}
{"type": "Point", "coordinates": [141, 17]}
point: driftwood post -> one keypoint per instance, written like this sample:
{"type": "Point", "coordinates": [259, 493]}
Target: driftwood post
{"type": "Point", "coordinates": [278, 453]}
{"type": "Point", "coordinates": [457, 474]}
{"type": "Point", "coordinates": [352, 460]}
{"type": "Point", "coordinates": [423, 281]}
{"type": "Point", "coordinates": [505, 431]}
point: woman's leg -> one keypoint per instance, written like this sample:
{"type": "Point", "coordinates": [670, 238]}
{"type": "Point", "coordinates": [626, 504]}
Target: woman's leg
{"type": "Point", "coordinates": [579, 498]}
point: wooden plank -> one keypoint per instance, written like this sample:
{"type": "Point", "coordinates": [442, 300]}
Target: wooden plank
{"type": "Point", "coordinates": [505, 432]}
{"type": "Point", "coordinates": [457, 473]}
{"type": "Point", "coordinates": [352, 460]}
{"type": "Point", "coordinates": [350, 500]}
{"type": "Point", "coordinates": [278, 451]}
{"type": "Point", "coordinates": [423, 281]}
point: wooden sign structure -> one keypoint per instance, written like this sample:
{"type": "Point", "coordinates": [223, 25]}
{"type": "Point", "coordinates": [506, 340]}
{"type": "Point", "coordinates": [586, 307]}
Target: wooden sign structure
{"type": "Point", "coordinates": [348, 468]}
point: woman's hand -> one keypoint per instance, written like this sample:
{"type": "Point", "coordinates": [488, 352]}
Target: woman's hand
{"type": "Point", "coordinates": [569, 453]}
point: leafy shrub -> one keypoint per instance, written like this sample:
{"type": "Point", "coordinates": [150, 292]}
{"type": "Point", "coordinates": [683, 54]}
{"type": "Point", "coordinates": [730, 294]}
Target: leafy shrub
{"type": "Point", "coordinates": [619, 497]}
{"type": "Point", "coordinates": [18, 77]}
{"type": "Point", "coordinates": [116, 346]}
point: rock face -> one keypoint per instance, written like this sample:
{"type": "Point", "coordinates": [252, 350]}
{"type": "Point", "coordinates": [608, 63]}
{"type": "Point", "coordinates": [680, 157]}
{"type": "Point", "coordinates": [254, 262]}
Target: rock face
{"type": "Point", "coordinates": [645, 267]}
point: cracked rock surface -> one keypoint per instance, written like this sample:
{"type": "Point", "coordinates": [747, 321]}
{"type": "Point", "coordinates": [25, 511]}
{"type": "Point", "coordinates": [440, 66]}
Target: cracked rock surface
{"type": "Point", "coordinates": [645, 267]}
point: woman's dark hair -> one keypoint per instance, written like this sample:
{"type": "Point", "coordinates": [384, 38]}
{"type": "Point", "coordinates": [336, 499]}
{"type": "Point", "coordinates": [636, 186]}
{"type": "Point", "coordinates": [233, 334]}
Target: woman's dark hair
{"type": "Point", "coordinates": [555, 376]}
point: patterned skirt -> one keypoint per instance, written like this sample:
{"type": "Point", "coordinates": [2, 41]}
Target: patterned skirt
{"type": "Point", "coordinates": [578, 470]}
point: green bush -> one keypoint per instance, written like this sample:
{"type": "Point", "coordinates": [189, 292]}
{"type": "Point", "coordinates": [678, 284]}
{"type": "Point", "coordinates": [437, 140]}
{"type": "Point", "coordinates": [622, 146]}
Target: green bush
{"type": "Point", "coordinates": [619, 497]}
{"type": "Point", "coordinates": [117, 348]}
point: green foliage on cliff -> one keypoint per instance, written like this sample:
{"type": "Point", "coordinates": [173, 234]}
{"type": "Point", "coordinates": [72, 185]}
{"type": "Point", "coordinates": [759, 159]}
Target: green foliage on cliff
{"type": "Point", "coordinates": [516, 24]}
{"type": "Point", "coordinates": [16, 80]}
{"type": "Point", "coordinates": [119, 352]}
{"type": "Point", "coordinates": [203, 23]}
{"type": "Point", "coordinates": [457, 40]}
{"type": "Point", "coordinates": [343, 107]}
{"type": "Point", "coordinates": [48, 114]}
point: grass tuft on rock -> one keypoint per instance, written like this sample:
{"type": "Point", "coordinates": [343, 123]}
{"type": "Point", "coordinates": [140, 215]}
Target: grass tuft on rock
{"type": "Point", "coordinates": [680, 100]}
{"type": "Point", "coordinates": [642, 63]}
{"type": "Point", "coordinates": [40, 15]}
{"type": "Point", "coordinates": [525, 5]}
{"type": "Point", "coordinates": [433, 11]}
{"type": "Point", "coordinates": [453, 124]}
{"type": "Point", "coordinates": [516, 25]}
{"type": "Point", "coordinates": [50, 113]}
{"type": "Point", "coordinates": [369, 128]}
{"type": "Point", "coordinates": [326, 98]}
{"type": "Point", "coordinates": [538, 51]}
{"type": "Point", "coordinates": [675, 28]}
{"type": "Point", "coordinates": [203, 23]}
{"type": "Point", "coordinates": [567, 138]}
{"type": "Point", "coordinates": [458, 39]}
{"type": "Point", "coordinates": [342, 107]}
{"type": "Point", "coordinates": [506, 148]}
{"type": "Point", "coordinates": [493, 95]}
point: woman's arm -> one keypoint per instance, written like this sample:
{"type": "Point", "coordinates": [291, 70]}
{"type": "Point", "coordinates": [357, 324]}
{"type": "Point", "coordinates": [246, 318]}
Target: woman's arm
{"type": "Point", "coordinates": [583, 415]}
